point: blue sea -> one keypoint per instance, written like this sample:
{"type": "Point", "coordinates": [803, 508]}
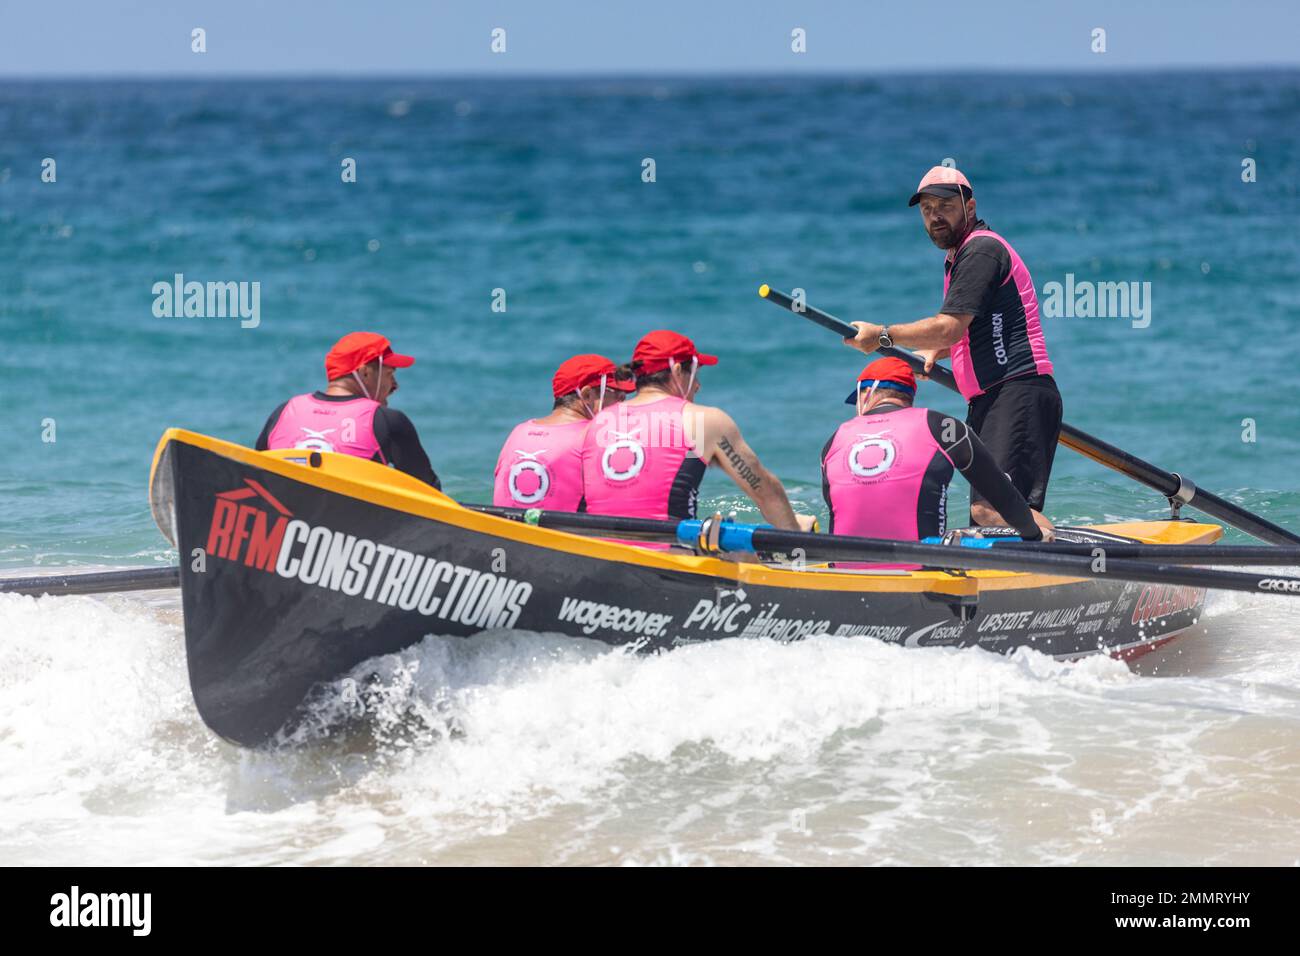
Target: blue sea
{"type": "Point", "coordinates": [536, 188]}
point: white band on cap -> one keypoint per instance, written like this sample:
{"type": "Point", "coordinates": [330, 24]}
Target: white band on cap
{"type": "Point", "coordinates": [365, 391]}
{"type": "Point", "coordinates": [600, 402]}
{"type": "Point", "coordinates": [690, 383]}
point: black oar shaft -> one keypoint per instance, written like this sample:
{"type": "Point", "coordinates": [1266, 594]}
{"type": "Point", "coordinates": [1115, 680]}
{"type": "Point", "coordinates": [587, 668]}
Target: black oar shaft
{"type": "Point", "coordinates": [648, 529]}
{"type": "Point", "coordinates": [637, 529]}
{"type": "Point", "coordinates": [1166, 483]}
{"type": "Point", "coordinates": [846, 548]}
{"type": "Point", "coordinates": [94, 582]}
{"type": "Point", "coordinates": [1174, 487]}
{"type": "Point", "coordinates": [1233, 556]}
{"type": "Point", "coordinates": [822, 547]}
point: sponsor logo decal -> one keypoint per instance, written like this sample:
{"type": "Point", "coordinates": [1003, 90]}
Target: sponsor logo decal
{"type": "Point", "coordinates": [1278, 584]}
{"type": "Point", "coordinates": [737, 617]}
{"type": "Point", "coordinates": [1057, 617]}
{"type": "Point", "coordinates": [241, 528]}
{"type": "Point", "coordinates": [1161, 600]}
{"type": "Point", "coordinates": [355, 566]}
{"type": "Point", "coordinates": [1034, 620]}
{"type": "Point", "coordinates": [766, 624]}
{"type": "Point", "coordinates": [999, 346]}
{"type": "Point", "coordinates": [728, 618]}
{"type": "Point", "coordinates": [1007, 621]}
{"type": "Point", "coordinates": [592, 616]}
{"type": "Point", "coordinates": [933, 634]}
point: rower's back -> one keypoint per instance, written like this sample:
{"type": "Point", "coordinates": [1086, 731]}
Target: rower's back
{"type": "Point", "coordinates": [639, 459]}
{"type": "Point", "coordinates": [540, 466]}
{"type": "Point", "coordinates": [886, 475]}
{"type": "Point", "coordinates": [321, 422]}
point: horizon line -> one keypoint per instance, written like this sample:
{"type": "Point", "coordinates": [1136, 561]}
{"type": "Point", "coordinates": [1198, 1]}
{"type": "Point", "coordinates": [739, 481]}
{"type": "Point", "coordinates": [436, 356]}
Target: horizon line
{"type": "Point", "coordinates": [599, 74]}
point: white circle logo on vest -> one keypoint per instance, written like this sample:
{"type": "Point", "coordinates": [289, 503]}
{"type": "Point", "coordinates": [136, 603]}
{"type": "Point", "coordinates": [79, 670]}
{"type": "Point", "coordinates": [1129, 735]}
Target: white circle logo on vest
{"type": "Point", "coordinates": [634, 469]}
{"type": "Point", "coordinates": [315, 441]}
{"type": "Point", "coordinates": [532, 468]}
{"type": "Point", "coordinates": [887, 453]}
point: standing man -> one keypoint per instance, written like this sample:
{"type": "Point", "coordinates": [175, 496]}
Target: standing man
{"type": "Point", "coordinates": [352, 415]}
{"type": "Point", "coordinates": [989, 325]}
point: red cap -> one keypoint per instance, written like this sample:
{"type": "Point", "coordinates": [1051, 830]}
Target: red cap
{"type": "Point", "coordinates": [360, 348]}
{"type": "Point", "coordinates": [658, 349]}
{"type": "Point", "coordinates": [885, 373]}
{"type": "Point", "coordinates": [942, 181]}
{"type": "Point", "coordinates": [583, 370]}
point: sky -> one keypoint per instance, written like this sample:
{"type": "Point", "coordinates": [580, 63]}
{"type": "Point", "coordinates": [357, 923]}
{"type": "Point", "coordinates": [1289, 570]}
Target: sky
{"type": "Point", "coordinates": [48, 38]}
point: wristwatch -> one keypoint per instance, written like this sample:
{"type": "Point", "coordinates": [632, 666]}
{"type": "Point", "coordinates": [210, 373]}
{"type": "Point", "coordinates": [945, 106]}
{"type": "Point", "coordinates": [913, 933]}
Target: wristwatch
{"type": "Point", "coordinates": [885, 341]}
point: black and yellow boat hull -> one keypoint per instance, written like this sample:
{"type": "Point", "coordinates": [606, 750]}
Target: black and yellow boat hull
{"type": "Point", "coordinates": [298, 566]}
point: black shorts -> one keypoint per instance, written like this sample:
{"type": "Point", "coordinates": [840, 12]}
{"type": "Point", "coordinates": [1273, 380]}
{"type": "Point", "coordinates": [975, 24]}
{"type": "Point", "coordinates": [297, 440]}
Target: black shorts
{"type": "Point", "coordinates": [1019, 420]}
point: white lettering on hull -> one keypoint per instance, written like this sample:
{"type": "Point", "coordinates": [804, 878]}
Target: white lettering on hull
{"type": "Point", "coordinates": [350, 565]}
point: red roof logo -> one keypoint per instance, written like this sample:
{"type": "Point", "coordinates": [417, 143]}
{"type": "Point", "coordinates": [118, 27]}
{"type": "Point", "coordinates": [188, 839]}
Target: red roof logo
{"type": "Point", "coordinates": [258, 489]}
{"type": "Point", "coordinates": [240, 530]}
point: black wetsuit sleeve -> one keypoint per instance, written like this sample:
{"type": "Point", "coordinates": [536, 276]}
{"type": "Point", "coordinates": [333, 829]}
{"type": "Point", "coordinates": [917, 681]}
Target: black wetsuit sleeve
{"type": "Point", "coordinates": [826, 485]}
{"type": "Point", "coordinates": [972, 458]}
{"type": "Point", "coordinates": [978, 270]}
{"type": "Point", "coordinates": [264, 439]}
{"type": "Point", "coordinates": [400, 444]}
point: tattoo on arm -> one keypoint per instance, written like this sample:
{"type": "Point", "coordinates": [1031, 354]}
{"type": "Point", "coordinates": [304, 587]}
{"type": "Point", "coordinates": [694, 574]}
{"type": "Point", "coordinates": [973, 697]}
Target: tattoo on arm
{"type": "Point", "coordinates": [743, 471]}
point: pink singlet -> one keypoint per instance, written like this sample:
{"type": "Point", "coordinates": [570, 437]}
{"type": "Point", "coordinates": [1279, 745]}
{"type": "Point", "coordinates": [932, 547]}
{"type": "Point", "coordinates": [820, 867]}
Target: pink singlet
{"type": "Point", "coordinates": [540, 466]}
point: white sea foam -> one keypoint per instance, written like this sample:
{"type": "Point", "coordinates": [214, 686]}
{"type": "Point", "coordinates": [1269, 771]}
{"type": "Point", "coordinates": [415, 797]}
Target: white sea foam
{"type": "Point", "coordinates": [531, 748]}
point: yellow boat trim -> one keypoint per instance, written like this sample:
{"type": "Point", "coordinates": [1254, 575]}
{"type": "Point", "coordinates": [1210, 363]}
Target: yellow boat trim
{"type": "Point", "coordinates": [375, 483]}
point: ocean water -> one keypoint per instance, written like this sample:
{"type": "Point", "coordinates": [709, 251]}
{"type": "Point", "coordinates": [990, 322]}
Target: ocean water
{"type": "Point", "coordinates": [530, 748]}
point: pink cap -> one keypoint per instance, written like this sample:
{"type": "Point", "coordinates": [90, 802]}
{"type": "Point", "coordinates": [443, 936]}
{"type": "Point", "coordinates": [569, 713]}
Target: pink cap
{"type": "Point", "coordinates": [941, 181]}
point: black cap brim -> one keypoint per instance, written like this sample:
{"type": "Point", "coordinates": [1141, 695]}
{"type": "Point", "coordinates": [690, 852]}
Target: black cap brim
{"type": "Point", "coordinates": [939, 189]}
{"type": "Point", "coordinates": [853, 395]}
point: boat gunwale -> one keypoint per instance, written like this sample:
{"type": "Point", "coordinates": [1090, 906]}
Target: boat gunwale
{"type": "Point", "coordinates": [408, 496]}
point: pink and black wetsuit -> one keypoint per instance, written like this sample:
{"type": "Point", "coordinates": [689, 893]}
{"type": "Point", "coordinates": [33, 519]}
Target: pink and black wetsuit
{"type": "Point", "coordinates": [640, 461]}
{"type": "Point", "coordinates": [886, 474]}
{"type": "Point", "coordinates": [351, 425]}
{"type": "Point", "coordinates": [1001, 362]}
{"type": "Point", "coordinates": [1005, 338]}
{"type": "Point", "coordinates": [540, 466]}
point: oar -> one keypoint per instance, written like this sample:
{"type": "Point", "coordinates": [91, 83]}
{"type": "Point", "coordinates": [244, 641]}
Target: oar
{"type": "Point", "coordinates": [1237, 556]}
{"type": "Point", "coordinates": [1170, 484]}
{"type": "Point", "coordinates": [649, 529]}
{"type": "Point", "coordinates": [844, 548]}
{"type": "Point", "coordinates": [726, 536]}
{"type": "Point", "coordinates": [94, 582]}
{"type": "Point", "coordinates": [634, 529]}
